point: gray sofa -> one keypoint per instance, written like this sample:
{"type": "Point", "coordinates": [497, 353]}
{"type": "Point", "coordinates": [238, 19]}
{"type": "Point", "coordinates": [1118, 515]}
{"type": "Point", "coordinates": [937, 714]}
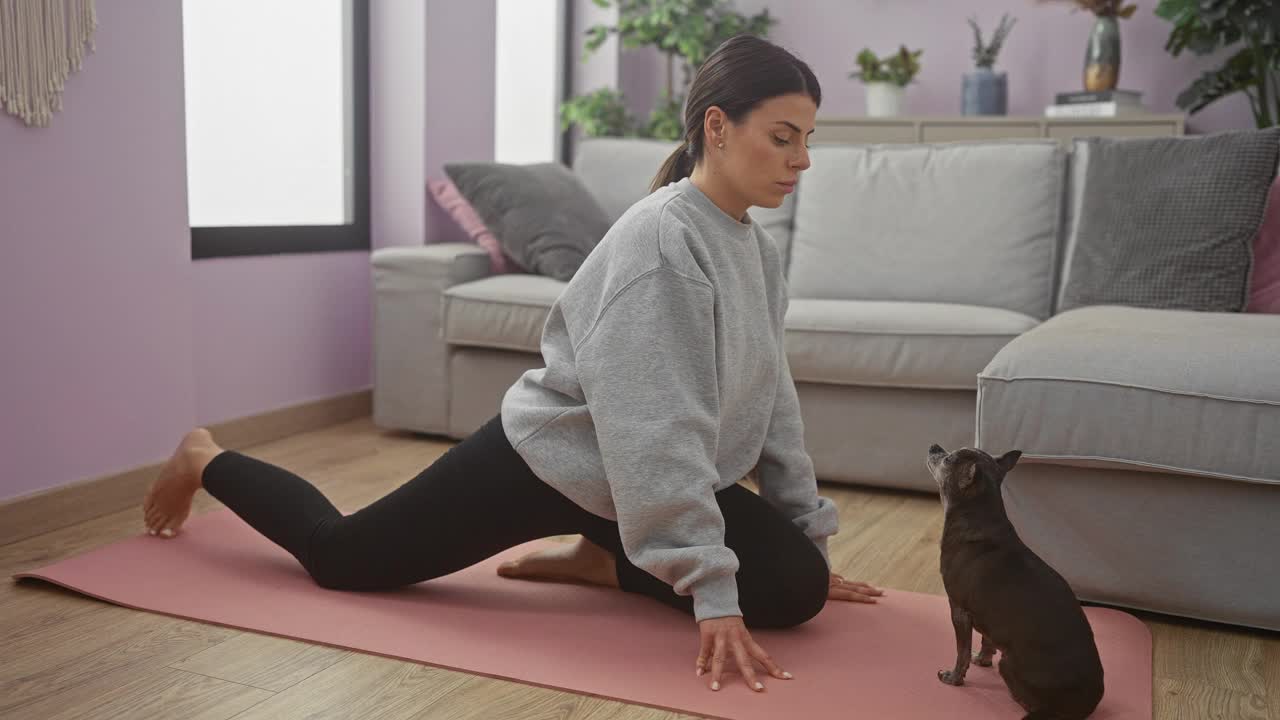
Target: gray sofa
{"type": "Point", "coordinates": [925, 282]}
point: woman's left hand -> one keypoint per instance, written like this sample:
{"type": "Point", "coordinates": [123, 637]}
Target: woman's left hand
{"type": "Point", "coordinates": [841, 589]}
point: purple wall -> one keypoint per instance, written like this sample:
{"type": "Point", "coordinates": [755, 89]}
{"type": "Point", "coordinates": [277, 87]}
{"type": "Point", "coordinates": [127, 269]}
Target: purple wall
{"type": "Point", "coordinates": [271, 332]}
{"type": "Point", "coordinates": [1044, 54]}
{"type": "Point", "coordinates": [95, 270]}
{"type": "Point", "coordinates": [114, 342]}
{"type": "Point", "coordinates": [460, 74]}
{"type": "Point", "coordinates": [396, 108]}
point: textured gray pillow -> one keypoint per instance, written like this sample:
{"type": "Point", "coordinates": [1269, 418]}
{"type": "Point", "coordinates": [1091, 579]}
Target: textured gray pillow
{"type": "Point", "coordinates": [544, 217]}
{"type": "Point", "coordinates": [1169, 222]}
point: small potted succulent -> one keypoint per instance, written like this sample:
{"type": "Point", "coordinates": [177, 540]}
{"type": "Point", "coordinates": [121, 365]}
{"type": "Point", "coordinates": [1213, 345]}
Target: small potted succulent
{"type": "Point", "coordinates": [886, 79]}
{"type": "Point", "coordinates": [985, 91]}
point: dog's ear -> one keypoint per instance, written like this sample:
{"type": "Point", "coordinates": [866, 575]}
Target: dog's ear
{"type": "Point", "coordinates": [1008, 460]}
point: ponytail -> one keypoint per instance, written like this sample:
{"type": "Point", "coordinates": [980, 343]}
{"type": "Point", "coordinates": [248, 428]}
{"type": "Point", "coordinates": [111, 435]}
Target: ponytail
{"type": "Point", "coordinates": [679, 165]}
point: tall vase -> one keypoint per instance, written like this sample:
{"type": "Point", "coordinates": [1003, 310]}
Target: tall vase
{"type": "Point", "coordinates": [1102, 56]}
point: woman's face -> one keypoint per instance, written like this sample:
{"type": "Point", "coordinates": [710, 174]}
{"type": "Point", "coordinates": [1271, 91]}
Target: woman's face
{"type": "Point", "coordinates": [764, 155]}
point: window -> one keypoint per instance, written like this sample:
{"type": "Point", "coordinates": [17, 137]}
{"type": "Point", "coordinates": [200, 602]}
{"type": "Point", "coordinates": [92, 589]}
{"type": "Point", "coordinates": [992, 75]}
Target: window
{"type": "Point", "coordinates": [277, 125]}
{"type": "Point", "coordinates": [529, 81]}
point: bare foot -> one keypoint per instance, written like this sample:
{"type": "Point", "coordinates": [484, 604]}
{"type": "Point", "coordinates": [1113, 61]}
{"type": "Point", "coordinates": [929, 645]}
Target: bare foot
{"type": "Point", "coordinates": [168, 502]}
{"type": "Point", "coordinates": [578, 562]}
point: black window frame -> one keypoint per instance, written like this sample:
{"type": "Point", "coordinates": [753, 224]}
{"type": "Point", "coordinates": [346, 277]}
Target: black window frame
{"type": "Point", "coordinates": [248, 240]}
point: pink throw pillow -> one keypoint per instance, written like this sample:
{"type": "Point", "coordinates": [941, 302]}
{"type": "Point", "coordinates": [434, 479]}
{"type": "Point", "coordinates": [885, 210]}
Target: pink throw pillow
{"type": "Point", "coordinates": [451, 201]}
{"type": "Point", "coordinates": [1264, 290]}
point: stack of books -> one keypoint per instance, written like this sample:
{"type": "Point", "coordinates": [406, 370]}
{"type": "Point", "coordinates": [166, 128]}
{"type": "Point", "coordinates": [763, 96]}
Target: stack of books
{"type": "Point", "coordinates": [1105, 103]}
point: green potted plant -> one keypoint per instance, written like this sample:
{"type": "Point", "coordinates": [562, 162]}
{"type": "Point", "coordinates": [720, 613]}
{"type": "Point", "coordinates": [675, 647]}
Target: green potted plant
{"type": "Point", "coordinates": [1102, 54]}
{"type": "Point", "coordinates": [1252, 27]}
{"type": "Point", "coordinates": [886, 79]}
{"type": "Point", "coordinates": [986, 92]}
{"type": "Point", "coordinates": [685, 31]}
{"type": "Point", "coordinates": [601, 113]}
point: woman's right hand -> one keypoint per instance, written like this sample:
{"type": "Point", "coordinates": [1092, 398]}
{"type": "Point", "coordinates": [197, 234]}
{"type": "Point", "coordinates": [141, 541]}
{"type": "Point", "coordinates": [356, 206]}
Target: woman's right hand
{"type": "Point", "coordinates": [726, 639]}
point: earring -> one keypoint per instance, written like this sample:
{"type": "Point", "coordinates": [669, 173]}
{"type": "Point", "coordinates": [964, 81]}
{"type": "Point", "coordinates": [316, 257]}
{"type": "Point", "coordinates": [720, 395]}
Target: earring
{"type": "Point", "coordinates": [720, 145]}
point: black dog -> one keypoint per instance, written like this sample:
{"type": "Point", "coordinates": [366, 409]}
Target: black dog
{"type": "Point", "coordinates": [1022, 607]}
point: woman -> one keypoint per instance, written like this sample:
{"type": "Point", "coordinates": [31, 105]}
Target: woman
{"type": "Point", "coordinates": [665, 382]}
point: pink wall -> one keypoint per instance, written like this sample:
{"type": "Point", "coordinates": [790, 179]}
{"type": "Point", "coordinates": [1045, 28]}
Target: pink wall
{"type": "Point", "coordinates": [1044, 54]}
{"type": "Point", "coordinates": [114, 342]}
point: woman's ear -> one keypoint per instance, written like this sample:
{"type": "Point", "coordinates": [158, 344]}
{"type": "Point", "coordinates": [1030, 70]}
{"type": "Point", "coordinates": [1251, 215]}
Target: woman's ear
{"type": "Point", "coordinates": [714, 125]}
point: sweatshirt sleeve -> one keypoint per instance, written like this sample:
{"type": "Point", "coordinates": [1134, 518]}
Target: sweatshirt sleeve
{"type": "Point", "coordinates": [648, 370]}
{"type": "Point", "coordinates": [786, 475]}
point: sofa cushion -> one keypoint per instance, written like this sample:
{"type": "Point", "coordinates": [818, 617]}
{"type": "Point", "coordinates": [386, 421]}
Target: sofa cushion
{"type": "Point", "coordinates": [617, 172]}
{"type": "Point", "coordinates": [1169, 222]}
{"type": "Point", "coordinates": [777, 221]}
{"type": "Point", "coordinates": [965, 223]}
{"type": "Point", "coordinates": [896, 344]}
{"type": "Point", "coordinates": [543, 216]}
{"type": "Point", "coordinates": [1264, 288]}
{"type": "Point", "coordinates": [451, 201]}
{"type": "Point", "coordinates": [505, 312]}
{"type": "Point", "coordinates": [1140, 388]}
{"type": "Point", "coordinates": [1073, 200]}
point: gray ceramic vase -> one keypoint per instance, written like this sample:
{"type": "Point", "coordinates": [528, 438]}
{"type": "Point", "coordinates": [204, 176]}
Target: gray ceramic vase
{"type": "Point", "coordinates": [985, 93]}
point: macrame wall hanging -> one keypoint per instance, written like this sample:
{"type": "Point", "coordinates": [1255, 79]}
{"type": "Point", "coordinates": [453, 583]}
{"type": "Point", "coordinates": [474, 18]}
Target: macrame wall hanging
{"type": "Point", "coordinates": [41, 43]}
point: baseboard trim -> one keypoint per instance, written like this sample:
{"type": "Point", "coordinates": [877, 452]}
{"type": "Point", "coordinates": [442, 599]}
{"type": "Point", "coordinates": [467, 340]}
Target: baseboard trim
{"type": "Point", "coordinates": [38, 513]}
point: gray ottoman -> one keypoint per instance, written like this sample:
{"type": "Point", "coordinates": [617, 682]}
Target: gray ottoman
{"type": "Point", "coordinates": [1150, 475]}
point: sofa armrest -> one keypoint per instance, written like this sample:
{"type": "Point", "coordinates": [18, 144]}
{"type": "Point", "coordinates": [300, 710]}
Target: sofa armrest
{"type": "Point", "coordinates": [462, 262]}
{"type": "Point", "coordinates": [410, 356]}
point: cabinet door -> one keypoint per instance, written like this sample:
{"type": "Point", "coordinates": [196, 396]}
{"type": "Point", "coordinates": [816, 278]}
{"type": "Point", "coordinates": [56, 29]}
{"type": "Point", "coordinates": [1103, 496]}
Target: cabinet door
{"type": "Point", "coordinates": [869, 132]}
{"type": "Point", "coordinates": [957, 132]}
{"type": "Point", "coordinates": [1067, 131]}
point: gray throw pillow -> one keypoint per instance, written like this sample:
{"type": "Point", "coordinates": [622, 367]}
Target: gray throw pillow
{"type": "Point", "coordinates": [1169, 222]}
{"type": "Point", "coordinates": [544, 217]}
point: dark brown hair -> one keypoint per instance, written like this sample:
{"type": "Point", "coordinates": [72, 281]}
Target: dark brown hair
{"type": "Point", "coordinates": [741, 73]}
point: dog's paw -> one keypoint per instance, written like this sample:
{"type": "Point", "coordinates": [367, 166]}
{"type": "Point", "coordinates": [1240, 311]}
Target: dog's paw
{"type": "Point", "coordinates": [950, 678]}
{"type": "Point", "coordinates": [981, 660]}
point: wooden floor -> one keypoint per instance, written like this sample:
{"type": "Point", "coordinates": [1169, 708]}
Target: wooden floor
{"type": "Point", "coordinates": [63, 656]}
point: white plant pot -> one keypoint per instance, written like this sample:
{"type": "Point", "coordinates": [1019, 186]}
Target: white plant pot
{"type": "Point", "coordinates": [884, 99]}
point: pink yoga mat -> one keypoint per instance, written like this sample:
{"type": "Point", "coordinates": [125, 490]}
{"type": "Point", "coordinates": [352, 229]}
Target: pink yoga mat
{"type": "Point", "coordinates": [852, 660]}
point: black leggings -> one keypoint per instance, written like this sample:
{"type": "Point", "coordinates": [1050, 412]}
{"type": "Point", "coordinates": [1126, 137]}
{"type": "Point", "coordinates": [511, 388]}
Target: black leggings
{"type": "Point", "coordinates": [481, 498]}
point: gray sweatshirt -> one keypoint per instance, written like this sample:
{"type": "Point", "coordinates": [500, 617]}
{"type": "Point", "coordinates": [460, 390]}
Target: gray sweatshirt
{"type": "Point", "coordinates": [665, 381]}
